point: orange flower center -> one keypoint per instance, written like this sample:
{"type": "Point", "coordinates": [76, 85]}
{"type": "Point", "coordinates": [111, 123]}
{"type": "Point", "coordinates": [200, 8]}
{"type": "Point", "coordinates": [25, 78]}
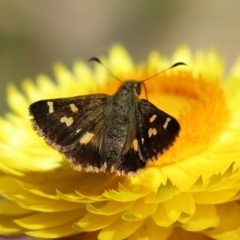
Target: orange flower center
{"type": "Point", "coordinates": [199, 105]}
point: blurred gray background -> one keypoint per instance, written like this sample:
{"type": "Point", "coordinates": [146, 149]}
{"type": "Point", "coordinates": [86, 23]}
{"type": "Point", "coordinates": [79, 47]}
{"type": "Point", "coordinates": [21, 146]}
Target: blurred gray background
{"type": "Point", "coordinates": [34, 34]}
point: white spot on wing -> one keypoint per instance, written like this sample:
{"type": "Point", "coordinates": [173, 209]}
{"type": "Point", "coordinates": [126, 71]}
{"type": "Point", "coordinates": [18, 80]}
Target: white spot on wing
{"type": "Point", "coordinates": [152, 118]}
{"type": "Point", "coordinates": [67, 120]}
{"type": "Point", "coordinates": [73, 107]}
{"type": "Point", "coordinates": [50, 107]}
{"type": "Point", "coordinates": [152, 131]}
{"type": "Point", "coordinates": [86, 138]}
{"type": "Point", "coordinates": [135, 145]}
{"type": "Point", "coordinates": [166, 123]}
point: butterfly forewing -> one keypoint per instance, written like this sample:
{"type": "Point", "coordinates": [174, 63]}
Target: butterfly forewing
{"type": "Point", "coordinates": [156, 130]}
{"type": "Point", "coordinates": [62, 122]}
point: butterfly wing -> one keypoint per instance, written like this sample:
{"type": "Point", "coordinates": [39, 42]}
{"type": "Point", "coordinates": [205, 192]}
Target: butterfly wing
{"type": "Point", "coordinates": [74, 126]}
{"type": "Point", "coordinates": [69, 125]}
{"type": "Point", "coordinates": [155, 131]}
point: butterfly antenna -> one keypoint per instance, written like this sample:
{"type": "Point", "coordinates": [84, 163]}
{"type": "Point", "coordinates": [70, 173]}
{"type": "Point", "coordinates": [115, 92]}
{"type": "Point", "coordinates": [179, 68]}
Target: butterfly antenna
{"type": "Point", "coordinates": [173, 66]}
{"type": "Point", "coordinates": [145, 90]}
{"type": "Point", "coordinates": [94, 59]}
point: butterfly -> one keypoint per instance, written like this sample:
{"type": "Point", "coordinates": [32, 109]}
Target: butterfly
{"type": "Point", "coordinates": [100, 133]}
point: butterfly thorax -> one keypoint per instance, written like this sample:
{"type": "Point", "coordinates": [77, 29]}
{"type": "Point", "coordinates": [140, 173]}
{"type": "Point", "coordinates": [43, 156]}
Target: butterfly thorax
{"type": "Point", "coordinates": [121, 105]}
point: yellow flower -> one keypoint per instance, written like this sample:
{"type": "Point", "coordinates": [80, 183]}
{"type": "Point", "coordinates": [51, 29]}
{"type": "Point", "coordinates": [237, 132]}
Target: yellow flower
{"type": "Point", "coordinates": [191, 192]}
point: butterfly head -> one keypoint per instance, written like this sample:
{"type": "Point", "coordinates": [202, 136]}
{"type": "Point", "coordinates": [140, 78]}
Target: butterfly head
{"type": "Point", "coordinates": [131, 86]}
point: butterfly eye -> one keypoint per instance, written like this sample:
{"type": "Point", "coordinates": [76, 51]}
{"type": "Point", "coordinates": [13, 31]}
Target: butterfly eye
{"type": "Point", "coordinates": [138, 88]}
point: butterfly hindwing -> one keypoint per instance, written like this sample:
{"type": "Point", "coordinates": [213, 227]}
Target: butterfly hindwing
{"type": "Point", "coordinates": [155, 132]}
